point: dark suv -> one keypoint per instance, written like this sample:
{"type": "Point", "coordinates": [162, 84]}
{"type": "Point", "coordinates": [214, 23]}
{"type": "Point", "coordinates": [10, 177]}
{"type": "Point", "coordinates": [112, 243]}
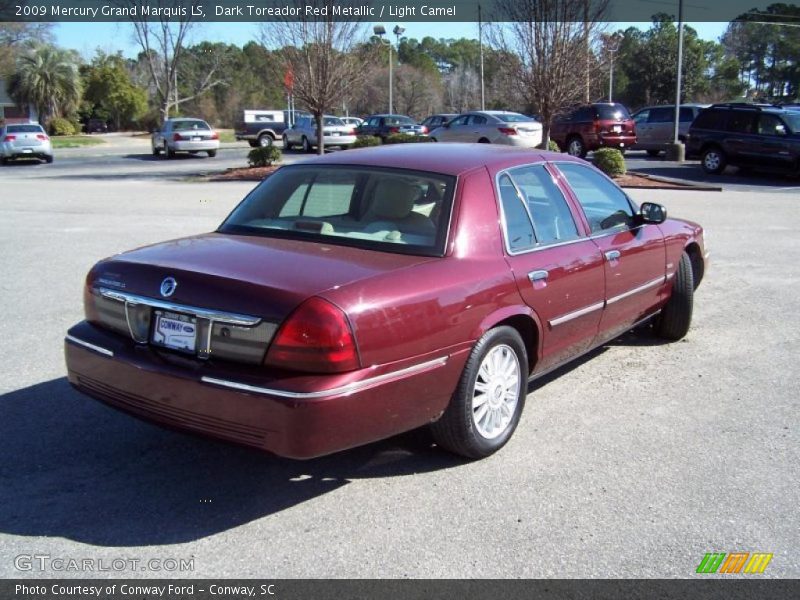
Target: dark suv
{"type": "Point", "coordinates": [749, 136]}
{"type": "Point", "coordinates": [599, 125]}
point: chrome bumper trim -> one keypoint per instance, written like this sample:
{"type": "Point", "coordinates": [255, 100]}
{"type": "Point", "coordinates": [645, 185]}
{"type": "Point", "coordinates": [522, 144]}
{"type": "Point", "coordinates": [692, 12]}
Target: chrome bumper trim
{"type": "Point", "coordinates": [637, 290]}
{"type": "Point", "coordinates": [98, 349]}
{"type": "Point", "coordinates": [201, 313]}
{"type": "Point", "coordinates": [345, 389]}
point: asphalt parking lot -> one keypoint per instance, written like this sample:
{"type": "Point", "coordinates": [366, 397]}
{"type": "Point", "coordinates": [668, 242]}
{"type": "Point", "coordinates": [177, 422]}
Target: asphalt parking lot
{"type": "Point", "coordinates": [633, 462]}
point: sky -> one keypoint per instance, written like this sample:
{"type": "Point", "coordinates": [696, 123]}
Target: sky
{"type": "Point", "coordinates": [113, 37]}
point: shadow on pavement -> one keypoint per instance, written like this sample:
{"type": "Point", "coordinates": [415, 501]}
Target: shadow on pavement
{"type": "Point", "coordinates": [693, 172]}
{"type": "Point", "coordinates": [76, 469]}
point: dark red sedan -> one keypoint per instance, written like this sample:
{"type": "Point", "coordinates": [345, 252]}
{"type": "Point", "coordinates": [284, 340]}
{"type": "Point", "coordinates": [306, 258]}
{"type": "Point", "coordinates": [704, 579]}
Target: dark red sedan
{"type": "Point", "coordinates": [362, 294]}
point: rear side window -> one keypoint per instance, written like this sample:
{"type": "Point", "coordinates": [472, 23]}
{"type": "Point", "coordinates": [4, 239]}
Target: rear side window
{"type": "Point", "coordinates": [552, 218]}
{"type": "Point", "coordinates": [687, 114]}
{"type": "Point", "coordinates": [710, 119]}
{"type": "Point", "coordinates": [519, 230]}
{"type": "Point", "coordinates": [605, 205]}
{"type": "Point", "coordinates": [662, 114]}
{"type": "Point", "coordinates": [741, 121]}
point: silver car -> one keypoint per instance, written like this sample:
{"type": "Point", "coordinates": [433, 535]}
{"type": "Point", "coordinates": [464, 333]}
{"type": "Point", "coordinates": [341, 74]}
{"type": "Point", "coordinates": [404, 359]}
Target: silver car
{"type": "Point", "coordinates": [185, 135]}
{"type": "Point", "coordinates": [304, 133]}
{"type": "Point", "coordinates": [24, 140]}
{"type": "Point", "coordinates": [655, 126]}
{"type": "Point", "coordinates": [491, 127]}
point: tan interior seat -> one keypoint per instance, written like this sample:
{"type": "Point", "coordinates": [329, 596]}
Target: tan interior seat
{"type": "Point", "coordinates": [392, 208]}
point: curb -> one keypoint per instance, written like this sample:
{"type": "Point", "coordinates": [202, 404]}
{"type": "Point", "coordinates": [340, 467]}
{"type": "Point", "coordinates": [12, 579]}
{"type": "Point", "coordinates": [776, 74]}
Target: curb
{"type": "Point", "coordinates": [674, 184]}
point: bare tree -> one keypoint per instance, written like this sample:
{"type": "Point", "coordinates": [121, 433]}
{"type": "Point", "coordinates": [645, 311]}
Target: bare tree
{"type": "Point", "coordinates": [462, 89]}
{"type": "Point", "coordinates": [550, 39]}
{"type": "Point", "coordinates": [320, 54]}
{"type": "Point", "coordinates": [162, 40]}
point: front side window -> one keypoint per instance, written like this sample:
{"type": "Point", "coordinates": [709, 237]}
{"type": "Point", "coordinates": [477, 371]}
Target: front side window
{"type": "Point", "coordinates": [459, 121]}
{"type": "Point", "coordinates": [605, 205]}
{"type": "Point", "coordinates": [662, 114]}
{"type": "Point", "coordinates": [384, 209]}
{"type": "Point", "coordinates": [641, 116]}
{"type": "Point", "coordinates": [552, 218]}
{"type": "Point", "coordinates": [770, 125]}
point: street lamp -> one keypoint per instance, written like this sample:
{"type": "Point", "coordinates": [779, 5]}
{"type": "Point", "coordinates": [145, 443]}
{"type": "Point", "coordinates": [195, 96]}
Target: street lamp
{"type": "Point", "coordinates": [380, 31]}
{"type": "Point", "coordinates": [613, 47]}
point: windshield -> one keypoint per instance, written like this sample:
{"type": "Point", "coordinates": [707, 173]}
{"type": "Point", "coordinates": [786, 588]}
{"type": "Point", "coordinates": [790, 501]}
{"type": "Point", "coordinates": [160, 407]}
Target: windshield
{"type": "Point", "coordinates": [514, 118]}
{"type": "Point", "coordinates": [24, 129]}
{"type": "Point", "coordinates": [394, 120]}
{"type": "Point", "coordinates": [393, 210]}
{"type": "Point", "coordinates": [332, 121]}
{"type": "Point", "coordinates": [189, 124]}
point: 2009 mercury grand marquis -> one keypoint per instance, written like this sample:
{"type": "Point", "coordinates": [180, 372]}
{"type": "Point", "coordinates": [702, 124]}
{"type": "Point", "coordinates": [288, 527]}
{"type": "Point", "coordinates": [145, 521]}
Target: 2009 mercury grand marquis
{"type": "Point", "coordinates": [367, 293]}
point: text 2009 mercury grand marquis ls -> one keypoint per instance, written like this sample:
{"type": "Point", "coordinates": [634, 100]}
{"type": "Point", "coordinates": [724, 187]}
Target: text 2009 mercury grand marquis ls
{"type": "Point", "coordinates": [362, 294]}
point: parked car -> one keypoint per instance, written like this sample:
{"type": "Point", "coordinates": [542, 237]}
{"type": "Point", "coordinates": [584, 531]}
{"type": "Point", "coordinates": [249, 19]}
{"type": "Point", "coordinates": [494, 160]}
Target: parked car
{"type": "Point", "coordinates": [435, 121]}
{"type": "Point", "coordinates": [304, 133]}
{"type": "Point", "coordinates": [354, 296]}
{"type": "Point", "coordinates": [383, 126]}
{"type": "Point", "coordinates": [491, 127]}
{"type": "Point", "coordinates": [355, 122]}
{"type": "Point", "coordinates": [24, 140]}
{"type": "Point", "coordinates": [185, 135]}
{"type": "Point", "coordinates": [588, 128]}
{"type": "Point", "coordinates": [265, 127]}
{"type": "Point", "coordinates": [747, 136]}
{"type": "Point", "coordinates": [96, 126]}
{"type": "Point", "coordinates": [655, 126]}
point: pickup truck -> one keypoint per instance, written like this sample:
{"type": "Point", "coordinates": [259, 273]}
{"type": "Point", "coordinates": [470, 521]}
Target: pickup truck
{"type": "Point", "coordinates": [264, 127]}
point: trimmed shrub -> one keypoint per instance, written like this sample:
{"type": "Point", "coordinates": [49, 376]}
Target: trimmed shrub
{"type": "Point", "coordinates": [610, 161]}
{"type": "Point", "coordinates": [61, 126]}
{"type": "Point", "coordinates": [552, 146]}
{"type": "Point", "coordinates": [406, 138]}
{"type": "Point", "coordinates": [365, 141]}
{"type": "Point", "coordinates": [264, 156]}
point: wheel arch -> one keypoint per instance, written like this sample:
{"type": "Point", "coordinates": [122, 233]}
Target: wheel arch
{"type": "Point", "coordinates": [698, 264]}
{"type": "Point", "coordinates": [524, 321]}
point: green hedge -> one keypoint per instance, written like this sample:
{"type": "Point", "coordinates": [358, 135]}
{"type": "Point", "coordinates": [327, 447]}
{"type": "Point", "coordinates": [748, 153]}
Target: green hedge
{"type": "Point", "coordinates": [406, 138]}
{"type": "Point", "coordinates": [365, 141]}
{"type": "Point", "coordinates": [62, 126]}
{"type": "Point", "coordinates": [264, 157]}
{"type": "Point", "coordinates": [610, 161]}
{"type": "Point", "coordinates": [552, 146]}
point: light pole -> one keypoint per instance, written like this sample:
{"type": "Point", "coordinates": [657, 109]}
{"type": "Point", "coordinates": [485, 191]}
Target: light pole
{"type": "Point", "coordinates": [676, 151]}
{"type": "Point", "coordinates": [380, 31]}
{"type": "Point", "coordinates": [613, 47]}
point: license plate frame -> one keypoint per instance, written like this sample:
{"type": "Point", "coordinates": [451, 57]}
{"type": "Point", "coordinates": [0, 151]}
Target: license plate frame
{"type": "Point", "coordinates": [197, 138]}
{"type": "Point", "coordinates": [617, 128]}
{"type": "Point", "coordinates": [174, 331]}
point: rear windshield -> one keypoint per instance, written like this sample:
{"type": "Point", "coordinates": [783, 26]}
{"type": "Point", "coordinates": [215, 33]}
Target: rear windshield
{"type": "Point", "coordinates": [332, 121]}
{"type": "Point", "coordinates": [24, 129]}
{"type": "Point", "coordinates": [189, 124]}
{"type": "Point", "coordinates": [399, 121]}
{"type": "Point", "coordinates": [615, 113]}
{"type": "Point", "coordinates": [393, 210]}
{"type": "Point", "coordinates": [514, 118]}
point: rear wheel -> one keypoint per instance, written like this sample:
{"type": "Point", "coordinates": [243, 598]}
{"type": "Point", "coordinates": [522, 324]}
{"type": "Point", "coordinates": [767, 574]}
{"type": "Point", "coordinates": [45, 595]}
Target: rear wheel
{"type": "Point", "coordinates": [653, 153]}
{"type": "Point", "coordinates": [265, 140]}
{"type": "Point", "coordinates": [168, 152]}
{"type": "Point", "coordinates": [306, 145]}
{"type": "Point", "coordinates": [487, 404]}
{"type": "Point", "coordinates": [675, 318]}
{"type": "Point", "coordinates": [212, 153]}
{"type": "Point", "coordinates": [713, 160]}
{"type": "Point", "coordinates": [4, 160]}
{"type": "Point", "coordinates": [576, 147]}
{"type": "Point", "coordinates": [483, 141]}
{"type": "Point", "coordinates": [286, 144]}
{"type": "Point", "coordinates": [156, 150]}
{"type": "Point", "coordinates": [48, 160]}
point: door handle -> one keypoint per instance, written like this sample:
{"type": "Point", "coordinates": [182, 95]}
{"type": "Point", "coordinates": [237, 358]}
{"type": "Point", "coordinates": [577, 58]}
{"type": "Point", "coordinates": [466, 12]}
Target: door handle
{"type": "Point", "coordinates": [612, 255]}
{"type": "Point", "coordinates": [537, 276]}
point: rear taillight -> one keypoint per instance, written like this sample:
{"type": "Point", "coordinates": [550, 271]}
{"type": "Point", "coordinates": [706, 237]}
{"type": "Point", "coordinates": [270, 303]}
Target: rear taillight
{"type": "Point", "coordinates": [177, 137]}
{"type": "Point", "coordinates": [507, 130]}
{"type": "Point", "coordinates": [9, 138]}
{"type": "Point", "coordinates": [394, 130]}
{"type": "Point", "coordinates": [423, 129]}
{"type": "Point", "coordinates": [316, 338]}
{"type": "Point", "coordinates": [215, 136]}
{"type": "Point", "coordinates": [41, 136]}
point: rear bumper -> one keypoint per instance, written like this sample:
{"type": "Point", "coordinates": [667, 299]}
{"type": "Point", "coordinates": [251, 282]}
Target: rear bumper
{"type": "Point", "coordinates": [40, 151]}
{"type": "Point", "coordinates": [605, 140]}
{"type": "Point", "coordinates": [189, 146]}
{"type": "Point", "coordinates": [293, 416]}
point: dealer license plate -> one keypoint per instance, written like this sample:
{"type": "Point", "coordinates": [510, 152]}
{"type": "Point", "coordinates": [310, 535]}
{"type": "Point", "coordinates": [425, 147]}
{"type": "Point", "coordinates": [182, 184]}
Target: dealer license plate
{"type": "Point", "coordinates": [175, 331]}
{"type": "Point", "coordinates": [617, 128]}
{"type": "Point", "coordinates": [196, 139]}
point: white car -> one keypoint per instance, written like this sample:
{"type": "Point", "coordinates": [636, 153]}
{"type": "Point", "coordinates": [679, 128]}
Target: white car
{"type": "Point", "coordinates": [491, 127]}
{"type": "Point", "coordinates": [304, 133]}
{"type": "Point", "coordinates": [185, 135]}
{"type": "Point", "coordinates": [24, 140]}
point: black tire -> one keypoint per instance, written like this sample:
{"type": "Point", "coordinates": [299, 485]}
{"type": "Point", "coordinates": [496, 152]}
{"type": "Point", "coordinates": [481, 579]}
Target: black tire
{"type": "Point", "coordinates": [286, 144]}
{"type": "Point", "coordinates": [576, 147]}
{"type": "Point", "coordinates": [4, 161]}
{"type": "Point", "coordinates": [253, 144]}
{"type": "Point", "coordinates": [457, 429]}
{"type": "Point", "coordinates": [433, 139]}
{"type": "Point", "coordinates": [212, 153]}
{"type": "Point", "coordinates": [306, 146]}
{"type": "Point", "coordinates": [265, 140]}
{"type": "Point", "coordinates": [653, 153]}
{"type": "Point", "coordinates": [484, 141]}
{"type": "Point", "coordinates": [48, 160]}
{"type": "Point", "coordinates": [168, 152]}
{"type": "Point", "coordinates": [675, 318]}
{"type": "Point", "coordinates": [713, 160]}
{"type": "Point", "coordinates": [156, 150]}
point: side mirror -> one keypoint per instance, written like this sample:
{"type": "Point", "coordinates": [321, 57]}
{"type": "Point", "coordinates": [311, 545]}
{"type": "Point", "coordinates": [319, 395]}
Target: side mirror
{"type": "Point", "coordinates": [652, 213]}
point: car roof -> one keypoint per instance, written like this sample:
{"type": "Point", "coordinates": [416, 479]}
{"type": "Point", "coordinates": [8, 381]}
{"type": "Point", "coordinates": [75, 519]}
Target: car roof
{"type": "Point", "coordinates": [448, 159]}
{"type": "Point", "coordinates": [388, 115]}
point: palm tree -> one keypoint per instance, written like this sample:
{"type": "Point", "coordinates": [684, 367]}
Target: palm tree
{"type": "Point", "coordinates": [47, 78]}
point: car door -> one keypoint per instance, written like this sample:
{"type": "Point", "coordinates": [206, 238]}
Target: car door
{"type": "Point", "coordinates": [557, 268]}
{"type": "Point", "coordinates": [660, 127]}
{"type": "Point", "coordinates": [456, 130]}
{"type": "Point", "coordinates": [477, 128]}
{"type": "Point", "coordinates": [771, 146]}
{"type": "Point", "coordinates": [642, 128]}
{"type": "Point", "coordinates": [634, 254]}
{"type": "Point", "coordinates": [740, 139]}
{"type": "Point", "coordinates": [370, 127]}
